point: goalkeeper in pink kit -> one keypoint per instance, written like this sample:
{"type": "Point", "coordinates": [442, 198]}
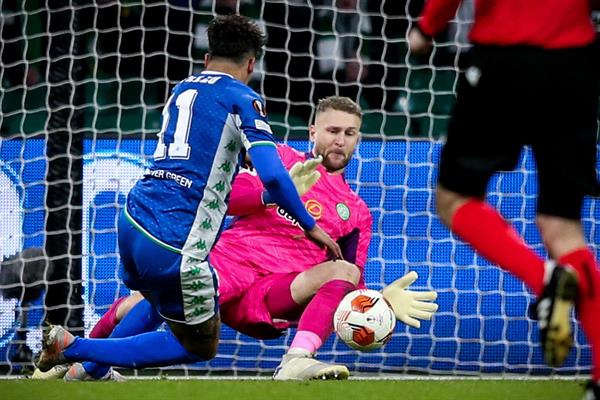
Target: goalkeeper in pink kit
{"type": "Point", "coordinates": [271, 277]}
{"type": "Point", "coordinates": [287, 279]}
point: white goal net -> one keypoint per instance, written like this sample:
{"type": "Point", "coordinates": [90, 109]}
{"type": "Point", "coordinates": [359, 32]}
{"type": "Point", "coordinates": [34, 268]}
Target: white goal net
{"type": "Point", "coordinates": [83, 85]}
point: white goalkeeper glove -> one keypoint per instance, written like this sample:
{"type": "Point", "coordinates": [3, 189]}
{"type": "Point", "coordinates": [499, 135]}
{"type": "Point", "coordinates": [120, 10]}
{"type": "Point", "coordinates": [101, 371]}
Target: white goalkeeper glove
{"type": "Point", "coordinates": [305, 175]}
{"type": "Point", "coordinates": [409, 306]}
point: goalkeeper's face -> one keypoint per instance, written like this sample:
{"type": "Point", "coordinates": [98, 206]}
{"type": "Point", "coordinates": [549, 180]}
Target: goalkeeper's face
{"type": "Point", "coordinates": [335, 135]}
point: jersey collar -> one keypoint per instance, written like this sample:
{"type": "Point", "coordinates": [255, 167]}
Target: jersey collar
{"type": "Point", "coordinates": [208, 72]}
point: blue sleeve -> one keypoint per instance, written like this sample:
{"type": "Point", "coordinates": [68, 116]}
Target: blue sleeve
{"type": "Point", "coordinates": [278, 183]}
{"type": "Point", "coordinates": [253, 122]}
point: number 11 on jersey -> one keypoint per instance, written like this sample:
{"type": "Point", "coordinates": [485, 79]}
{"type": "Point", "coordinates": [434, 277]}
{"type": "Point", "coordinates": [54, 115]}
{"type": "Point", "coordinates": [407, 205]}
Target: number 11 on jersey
{"type": "Point", "coordinates": [179, 147]}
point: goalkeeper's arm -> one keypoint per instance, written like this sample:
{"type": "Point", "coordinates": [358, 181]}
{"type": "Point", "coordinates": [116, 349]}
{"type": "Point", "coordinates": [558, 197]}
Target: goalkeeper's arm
{"type": "Point", "coordinates": [248, 196]}
{"type": "Point", "coordinates": [280, 186]}
{"type": "Point", "coordinates": [277, 181]}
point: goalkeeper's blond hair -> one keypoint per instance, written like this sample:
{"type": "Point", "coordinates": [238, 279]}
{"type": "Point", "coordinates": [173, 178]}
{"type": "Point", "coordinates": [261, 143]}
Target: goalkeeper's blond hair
{"type": "Point", "coordinates": [339, 103]}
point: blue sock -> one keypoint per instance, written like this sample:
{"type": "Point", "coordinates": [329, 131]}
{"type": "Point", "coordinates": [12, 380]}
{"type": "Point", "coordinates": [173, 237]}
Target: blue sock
{"type": "Point", "coordinates": [140, 319]}
{"type": "Point", "coordinates": [151, 349]}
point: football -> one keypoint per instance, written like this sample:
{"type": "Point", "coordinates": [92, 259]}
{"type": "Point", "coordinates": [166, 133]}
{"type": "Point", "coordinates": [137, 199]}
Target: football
{"type": "Point", "coordinates": [364, 320]}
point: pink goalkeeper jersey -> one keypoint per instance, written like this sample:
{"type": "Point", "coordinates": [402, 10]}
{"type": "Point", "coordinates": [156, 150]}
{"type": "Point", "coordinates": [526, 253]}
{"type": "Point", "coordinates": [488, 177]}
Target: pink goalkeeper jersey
{"type": "Point", "coordinates": [266, 240]}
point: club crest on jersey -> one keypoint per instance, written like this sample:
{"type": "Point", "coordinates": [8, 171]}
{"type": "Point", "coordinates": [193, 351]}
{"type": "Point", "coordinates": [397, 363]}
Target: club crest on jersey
{"type": "Point", "coordinates": [260, 108]}
{"type": "Point", "coordinates": [314, 208]}
{"type": "Point", "coordinates": [343, 211]}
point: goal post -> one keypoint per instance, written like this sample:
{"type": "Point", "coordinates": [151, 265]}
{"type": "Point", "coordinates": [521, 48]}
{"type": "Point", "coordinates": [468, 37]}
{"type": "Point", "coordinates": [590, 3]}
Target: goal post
{"type": "Point", "coordinates": [64, 155]}
{"type": "Point", "coordinates": [99, 99]}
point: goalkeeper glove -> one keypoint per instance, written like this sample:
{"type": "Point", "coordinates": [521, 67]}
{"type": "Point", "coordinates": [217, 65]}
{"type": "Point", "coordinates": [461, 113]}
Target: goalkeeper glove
{"type": "Point", "coordinates": [410, 306]}
{"type": "Point", "coordinates": [304, 174]}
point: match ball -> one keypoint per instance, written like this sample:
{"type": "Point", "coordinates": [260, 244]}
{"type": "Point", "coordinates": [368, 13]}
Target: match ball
{"type": "Point", "coordinates": [364, 320]}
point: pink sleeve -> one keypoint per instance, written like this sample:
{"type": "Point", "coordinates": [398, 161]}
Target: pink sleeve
{"type": "Point", "coordinates": [436, 15]}
{"type": "Point", "coordinates": [247, 189]}
{"type": "Point", "coordinates": [362, 252]}
{"type": "Point", "coordinates": [289, 156]}
{"type": "Point", "coordinates": [246, 194]}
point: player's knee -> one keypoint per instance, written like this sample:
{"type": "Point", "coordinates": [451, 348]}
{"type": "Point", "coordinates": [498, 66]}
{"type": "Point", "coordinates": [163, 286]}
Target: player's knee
{"type": "Point", "coordinates": [443, 203]}
{"type": "Point", "coordinates": [549, 226]}
{"type": "Point", "coordinates": [447, 202]}
{"type": "Point", "coordinates": [343, 270]}
{"type": "Point", "coordinates": [560, 235]}
{"type": "Point", "coordinates": [202, 351]}
{"type": "Point", "coordinates": [200, 340]}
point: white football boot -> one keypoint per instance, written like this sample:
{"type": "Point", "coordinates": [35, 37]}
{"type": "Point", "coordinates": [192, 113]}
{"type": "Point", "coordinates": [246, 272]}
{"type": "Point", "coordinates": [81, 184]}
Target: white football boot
{"type": "Point", "coordinates": [302, 366]}
{"type": "Point", "coordinates": [56, 372]}
{"type": "Point", "coordinates": [78, 373]}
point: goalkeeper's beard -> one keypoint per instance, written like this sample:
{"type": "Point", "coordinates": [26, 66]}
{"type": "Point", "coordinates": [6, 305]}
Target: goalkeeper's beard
{"type": "Point", "coordinates": [336, 164]}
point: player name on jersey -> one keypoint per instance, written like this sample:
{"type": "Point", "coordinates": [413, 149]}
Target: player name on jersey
{"type": "Point", "coordinates": [203, 79]}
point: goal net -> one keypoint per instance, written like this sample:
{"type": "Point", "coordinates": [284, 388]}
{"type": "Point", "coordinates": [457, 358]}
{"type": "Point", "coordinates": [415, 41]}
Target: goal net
{"type": "Point", "coordinates": [83, 85]}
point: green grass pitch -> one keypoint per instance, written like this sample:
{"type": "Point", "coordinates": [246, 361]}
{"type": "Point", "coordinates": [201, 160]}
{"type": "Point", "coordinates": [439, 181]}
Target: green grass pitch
{"type": "Point", "coordinates": [24, 389]}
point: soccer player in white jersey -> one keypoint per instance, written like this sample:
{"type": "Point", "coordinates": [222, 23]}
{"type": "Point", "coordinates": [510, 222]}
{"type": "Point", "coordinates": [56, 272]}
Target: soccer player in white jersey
{"type": "Point", "coordinates": [174, 214]}
{"type": "Point", "coordinates": [271, 277]}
